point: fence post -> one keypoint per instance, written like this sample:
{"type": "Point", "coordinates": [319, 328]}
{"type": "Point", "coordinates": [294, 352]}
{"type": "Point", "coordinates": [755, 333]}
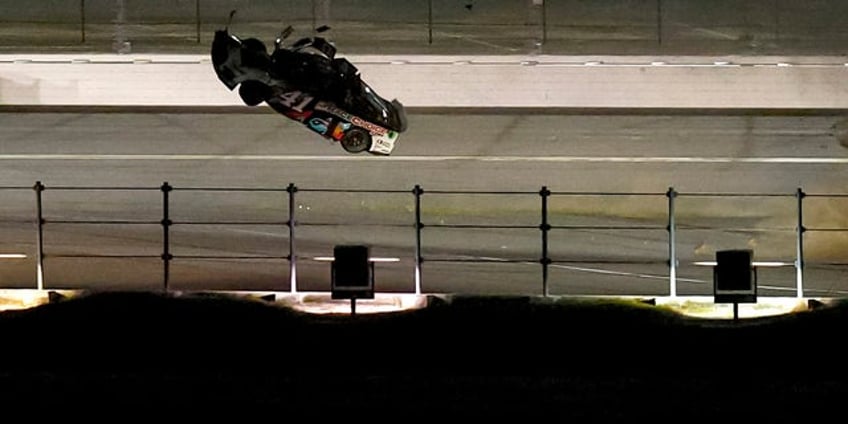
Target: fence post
{"type": "Point", "coordinates": [291, 189]}
{"type": "Point", "coordinates": [799, 245]}
{"type": "Point", "coordinates": [166, 225]}
{"type": "Point", "coordinates": [544, 22]}
{"type": "Point", "coordinates": [659, 22]}
{"type": "Point", "coordinates": [197, 18]}
{"type": "Point", "coordinates": [314, 17]}
{"type": "Point", "coordinates": [429, 21]}
{"type": "Point", "coordinates": [545, 227]}
{"type": "Point", "coordinates": [82, 21]}
{"type": "Point", "coordinates": [417, 191]}
{"type": "Point", "coordinates": [39, 253]}
{"type": "Point", "coordinates": [672, 242]}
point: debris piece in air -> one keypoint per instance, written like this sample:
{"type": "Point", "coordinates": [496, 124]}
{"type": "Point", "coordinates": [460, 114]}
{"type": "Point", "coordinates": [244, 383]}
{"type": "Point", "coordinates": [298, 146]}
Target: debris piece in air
{"type": "Point", "coordinates": [469, 5]}
{"type": "Point", "coordinates": [322, 28]}
{"type": "Point", "coordinates": [230, 19]}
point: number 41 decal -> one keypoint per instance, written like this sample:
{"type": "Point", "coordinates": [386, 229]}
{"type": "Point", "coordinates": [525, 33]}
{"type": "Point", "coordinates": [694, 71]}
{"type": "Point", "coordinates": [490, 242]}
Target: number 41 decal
{"type": "Point", "coordinates": [295, 100]}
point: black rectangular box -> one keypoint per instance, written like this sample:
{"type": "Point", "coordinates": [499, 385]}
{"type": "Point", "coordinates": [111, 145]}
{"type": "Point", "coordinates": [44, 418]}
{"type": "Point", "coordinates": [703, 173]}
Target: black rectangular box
{"type": "Point", "coordinates": [352, 272]}
{"type": "Point", "coordinates": [734, 277]}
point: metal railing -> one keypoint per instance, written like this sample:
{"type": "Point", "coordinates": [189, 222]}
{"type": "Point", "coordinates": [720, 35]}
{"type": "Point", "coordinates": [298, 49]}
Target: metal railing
{"type": "Point", "coordinates": [551, 221]}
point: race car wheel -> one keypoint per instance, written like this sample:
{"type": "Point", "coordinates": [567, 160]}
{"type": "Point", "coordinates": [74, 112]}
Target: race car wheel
{"type": "Point", "coordinates": [356, 140]}
{"type": "Point", "coordinates": [253, 92]}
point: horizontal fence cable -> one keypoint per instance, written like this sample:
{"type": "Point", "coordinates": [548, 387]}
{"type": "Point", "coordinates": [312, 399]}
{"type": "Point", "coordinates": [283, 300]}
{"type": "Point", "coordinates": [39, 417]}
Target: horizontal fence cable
{"type": "Point", "coordinates": [98, 222]}
{"type": "Point", "coordinates": [481, 260]}
{"type": "Point", "coordinates": [734, 229]}
{"type": "Point", "coordinates": [100, 188]}
{"type": "Point", "coordinates": [492, 226]}
{"type": "Point", "coordinates": [835, 195]}
{"type": "Point", "coordinates": [358, 224]}
{"type": "Point", "coordinates": [343, 190]}
{"type": "Point", "coordinates": [605, 193]}
{"type": "Point", "coordinates": [479, 192]}
{"type": "Point", "coordinates": [736, 194]}
{"type": "Point", "coordinates": [608, 227]}
{"type": "Point", "coordinates": [232, 189]}
{"type": "Point", "coordinates": [825, 264]}
{"type": "Point", "coordinates": [233, 257]}
{"type": "Point", "coordinates": [246, 223]}
{"type": "Point", "coordinates": [103, 256]}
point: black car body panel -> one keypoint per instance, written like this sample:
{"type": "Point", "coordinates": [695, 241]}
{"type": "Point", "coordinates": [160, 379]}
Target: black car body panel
{"type": "Point", "coordinates": [308, 83]}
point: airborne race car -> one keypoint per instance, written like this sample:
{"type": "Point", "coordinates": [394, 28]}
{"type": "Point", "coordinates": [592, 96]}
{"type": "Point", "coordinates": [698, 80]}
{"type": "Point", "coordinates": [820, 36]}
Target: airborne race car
{"type": "Point", "coordinates": [307, 83]}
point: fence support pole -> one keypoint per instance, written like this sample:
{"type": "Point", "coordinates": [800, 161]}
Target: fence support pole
{"type": "Point", "coordinates": [659, 23]}
{"type": "Point", "coordinates": [672, 242]}
{"type": "Point", "coordinates": [799, 245]}
{"type": "Point", "coordinates": [82, 21]}
{"type": "Point", "coordinates": [291, 189]}
{"type": "Point", "coordinates": [429, 21]}
{"type": "Point", "coordinates": [166, 243]}
{"type": "Point", "coordinates": [544, 22]}
{"type": "Point", "coordinates": [197, 18]}
{"type": "Point", "coordinates": [545, 227]}
{"type": "Point", "coordinates": [417, 191]}
{"type": "Point", "coordinates": [314, 16]}
{"type": "Point", "coordinates": [39, 242]}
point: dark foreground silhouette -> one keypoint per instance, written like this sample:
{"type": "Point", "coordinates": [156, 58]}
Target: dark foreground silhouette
{"type": "Point", "coordinates": [471, 356]}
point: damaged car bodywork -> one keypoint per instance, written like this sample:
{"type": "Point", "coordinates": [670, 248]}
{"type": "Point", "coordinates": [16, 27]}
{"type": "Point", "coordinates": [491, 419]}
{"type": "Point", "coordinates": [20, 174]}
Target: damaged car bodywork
{"type": "Point", "coordinates": [308, 83]}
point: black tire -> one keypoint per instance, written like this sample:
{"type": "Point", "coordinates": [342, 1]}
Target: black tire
{"type": "Point", "coordinates": [253, 92]}
{"type": "Point", "coordinates": [356, 140]}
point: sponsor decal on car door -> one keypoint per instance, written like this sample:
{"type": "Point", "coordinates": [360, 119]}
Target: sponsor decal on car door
{"type": "Point", "coordinates": [319, 125]}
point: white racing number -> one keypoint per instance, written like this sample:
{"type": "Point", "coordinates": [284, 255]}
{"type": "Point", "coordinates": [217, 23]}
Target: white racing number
{"type": "Point", "coordinates": [295, 100]}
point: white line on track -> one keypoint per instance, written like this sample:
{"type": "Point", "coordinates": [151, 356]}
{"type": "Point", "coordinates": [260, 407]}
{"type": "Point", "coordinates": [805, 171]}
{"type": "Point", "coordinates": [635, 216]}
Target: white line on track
{"type": "Point", "coordinates": [712, 32]}
{"type": "Point", "coordinates": [355, 158]}
{"type": "Point", "coordinates": [512, 59]}
{"type": "Point", "coordinates": [647, 276]}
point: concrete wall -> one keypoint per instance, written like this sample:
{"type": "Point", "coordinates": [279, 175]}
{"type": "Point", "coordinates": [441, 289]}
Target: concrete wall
{"type": "Point", "coordinates": [432, 81]}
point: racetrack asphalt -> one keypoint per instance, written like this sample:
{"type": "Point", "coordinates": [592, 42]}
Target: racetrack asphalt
{"type": "Point", "coordinates": [473, 357]}
{"type": "Point", "coordinates": [464, 356]}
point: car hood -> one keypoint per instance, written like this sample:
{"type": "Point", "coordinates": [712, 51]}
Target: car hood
{"type": "Point", "coordinates": [371, 106]}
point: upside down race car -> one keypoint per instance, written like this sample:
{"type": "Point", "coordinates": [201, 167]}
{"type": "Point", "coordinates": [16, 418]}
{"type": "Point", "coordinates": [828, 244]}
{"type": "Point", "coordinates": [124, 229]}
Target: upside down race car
{"type": "Point", "coordinates": [309, 84]}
